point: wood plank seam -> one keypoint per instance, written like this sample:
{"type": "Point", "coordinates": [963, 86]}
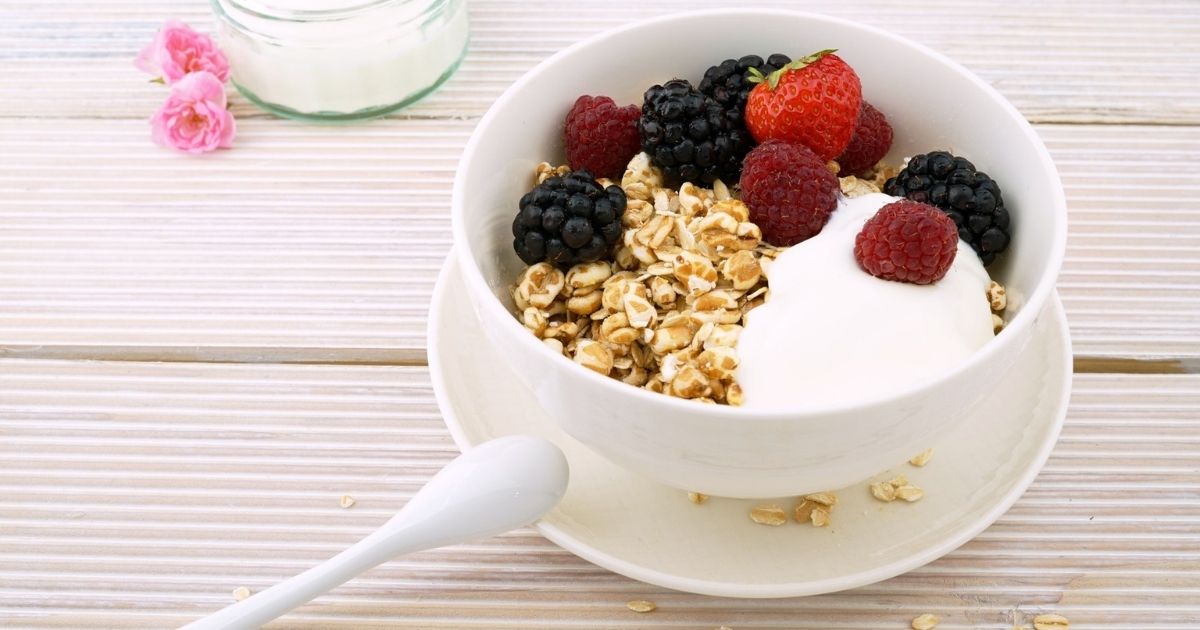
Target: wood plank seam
{"type": "Point", "coordinates": [399, 358]}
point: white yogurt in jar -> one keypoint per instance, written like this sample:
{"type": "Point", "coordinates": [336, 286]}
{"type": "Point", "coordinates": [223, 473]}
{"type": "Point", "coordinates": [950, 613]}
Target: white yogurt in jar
{"type": "Point", "coordinates": [339, 59]}
{"type": "Point", "coordinates": [832, 333]}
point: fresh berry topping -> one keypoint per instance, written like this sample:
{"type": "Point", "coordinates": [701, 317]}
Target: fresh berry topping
{"type": "Point", "coordinates": [812, 101]}
{"type": "Point", "coordinates": [601, 137]}
{"type": "Point", "coordinates": [969, 197]}
{"type": "Point", "coordinates": [687, 136]}
{"type": "Point", "coordinates": [907, 241]}
{"type": "Point", "coordinates": [729, 84]}
{"type": "Point", "coordinates": [568, 220]}
{"type": "Point", "coordinates": [789, 191]}
{"type": "Point", "coordinates": [871, 140]}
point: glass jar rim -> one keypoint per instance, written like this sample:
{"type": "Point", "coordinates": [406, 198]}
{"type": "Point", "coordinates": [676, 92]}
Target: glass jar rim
{"type": "Point", "coordinates": [271, 9]}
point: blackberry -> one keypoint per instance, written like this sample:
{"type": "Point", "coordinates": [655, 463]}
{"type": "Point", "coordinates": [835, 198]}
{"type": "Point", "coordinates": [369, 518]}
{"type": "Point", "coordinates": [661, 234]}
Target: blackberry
{"type": "Point", "coordinates": [969, 197]}
{"type": "Point", "coordinates": [687, 135]}
{"type": "Point", "coordinates": [728, 83]}
{"type": "Point", "coordinates": [568, 220]}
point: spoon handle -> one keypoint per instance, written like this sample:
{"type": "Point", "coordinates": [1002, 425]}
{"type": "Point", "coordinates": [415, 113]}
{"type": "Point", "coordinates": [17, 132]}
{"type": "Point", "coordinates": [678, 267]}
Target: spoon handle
{"type": "Point", "coordinates": [255, 611]}
{"type": "Point", "coordinates": [492, 488]}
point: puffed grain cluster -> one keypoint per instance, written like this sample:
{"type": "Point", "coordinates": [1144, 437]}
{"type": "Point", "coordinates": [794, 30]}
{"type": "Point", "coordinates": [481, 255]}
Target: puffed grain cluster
{"type": "Point", "coordinates": [666, 315]}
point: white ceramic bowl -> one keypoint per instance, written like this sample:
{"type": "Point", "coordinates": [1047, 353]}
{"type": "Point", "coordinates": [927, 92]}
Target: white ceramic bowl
{"type": "Point", "coordinates": [932, 103]}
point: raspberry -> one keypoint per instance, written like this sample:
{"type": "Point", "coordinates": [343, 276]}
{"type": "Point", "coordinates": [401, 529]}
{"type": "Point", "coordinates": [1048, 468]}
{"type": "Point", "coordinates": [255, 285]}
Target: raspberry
{"type": "Point", "coordinates": [601, 137]}
{"type": "Point", "coordinates": [871, 140]}
{"type": "Point", "coordinates": [907, 241]}
{"type": "Point", "coordinates": [789, 191]}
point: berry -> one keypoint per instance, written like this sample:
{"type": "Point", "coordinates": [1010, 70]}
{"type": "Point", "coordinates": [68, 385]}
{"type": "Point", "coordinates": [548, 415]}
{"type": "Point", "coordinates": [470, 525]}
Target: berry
{"type": "Point", "coordinates": [686, 134]}
{"type": "Point", "coordinates": [568, 220]}
{"type": "Point", "coordinates": [600, 136]}
{"type": "Point", "coordinates": [907, 241]}
{"type": "Point", "coordinates": [969, 197]}
{"type": "Point", "coordinates": [789, 191]}
{"type": "Point", "coordinates": [871, 140]}
{"type": "Point", "coordinates": [729, 84]}
{"type": "Point", "coordinates": [812, 101]}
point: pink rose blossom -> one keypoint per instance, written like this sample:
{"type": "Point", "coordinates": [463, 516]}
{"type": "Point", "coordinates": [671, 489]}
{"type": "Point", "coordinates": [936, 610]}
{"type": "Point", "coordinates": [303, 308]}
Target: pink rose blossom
{"type": "Point", "coordinates": [194, 118]}
{"type": "Point", "coordinates": [178, 50]}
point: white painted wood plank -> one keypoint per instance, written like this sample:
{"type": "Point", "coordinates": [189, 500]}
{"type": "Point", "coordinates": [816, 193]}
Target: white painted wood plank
{"type": "Point", "coordinates": [140, 495]}
{"type": "Point", "coordinates": [303, 237]}
{"type": "Point", "coordinates": [1070, 60]}
{"type": "Point", "coordinates": [1131, 280]}
{"type": "Point", "coordinates": [322, 243]}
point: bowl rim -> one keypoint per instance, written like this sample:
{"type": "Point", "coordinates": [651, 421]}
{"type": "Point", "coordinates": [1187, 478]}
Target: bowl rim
{"type": "Point", "coordinates": [1017, 328]}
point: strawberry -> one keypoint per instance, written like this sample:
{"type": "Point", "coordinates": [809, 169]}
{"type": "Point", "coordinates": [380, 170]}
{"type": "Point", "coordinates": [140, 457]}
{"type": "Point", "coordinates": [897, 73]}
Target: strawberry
{"type": "Point", "coordinates": [814, 101]}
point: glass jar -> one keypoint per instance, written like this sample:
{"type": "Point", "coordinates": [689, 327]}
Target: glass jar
{"type": "Point", "coordinates": [332, 60]}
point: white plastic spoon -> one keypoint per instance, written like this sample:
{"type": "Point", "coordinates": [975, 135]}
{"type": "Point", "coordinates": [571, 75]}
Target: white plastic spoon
{"type": "Point", "coordinates": [492, 488]}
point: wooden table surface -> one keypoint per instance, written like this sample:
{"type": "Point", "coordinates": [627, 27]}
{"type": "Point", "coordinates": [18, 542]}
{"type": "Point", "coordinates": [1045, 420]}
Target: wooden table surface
{"type": "Point", "coordinates": [199, 356]}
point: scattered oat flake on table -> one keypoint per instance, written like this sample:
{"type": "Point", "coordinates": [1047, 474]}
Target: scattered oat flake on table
{"type": "Point", "coordinates": [347, 501]}
{"type": "Point", "coordinates": [641, 606]}
{"type": "Point", "coordinates": [241, 593]}
{"type": "Point", "coordinates": [922, 458]}
{"type": "Point", "coordinates": [820, 518]}
{"type": "Point", "coordinates": [697, 498]}
{"type": "Point", "coordinates": [1051, 622]}
{"type": "Point", "coordinates": [768, 514]}
{"type": "Point", "coordinates": [898, 480]}
{"type": "Point", "coordinates": [925, 622]}
{"type": "Point", "coordinates": [910, 493]}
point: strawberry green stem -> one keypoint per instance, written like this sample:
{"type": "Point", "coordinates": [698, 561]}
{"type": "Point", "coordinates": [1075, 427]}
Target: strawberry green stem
{"type": "Point", "coordinates": [773, 78]}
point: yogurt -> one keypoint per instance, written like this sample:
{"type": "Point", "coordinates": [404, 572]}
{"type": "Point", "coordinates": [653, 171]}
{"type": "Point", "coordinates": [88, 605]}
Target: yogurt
{"type": "Point", "coordinates": [832, 333]}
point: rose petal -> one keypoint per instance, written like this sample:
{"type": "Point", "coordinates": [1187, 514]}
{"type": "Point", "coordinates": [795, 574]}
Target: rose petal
{"type": "Point", "coordinates": [194, 118]}
{"type": "Point", "coordinates": [177, 51]}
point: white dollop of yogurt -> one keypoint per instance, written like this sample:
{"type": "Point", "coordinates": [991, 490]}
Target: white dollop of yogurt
{"type": "Point", "coordinates": [832, 333]}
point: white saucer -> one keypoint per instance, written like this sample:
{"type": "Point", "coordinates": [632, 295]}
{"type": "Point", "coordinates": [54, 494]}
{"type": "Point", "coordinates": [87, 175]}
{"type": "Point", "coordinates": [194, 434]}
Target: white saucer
{"type": "Point", "coordinates": [649, 532]}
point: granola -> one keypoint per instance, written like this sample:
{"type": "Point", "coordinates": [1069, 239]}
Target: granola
{"type": "Point", "coordinates": [666, 313]}
{"type": "Point", "coordinates": [768, 514]}
{"type": "Point", "coordinates": [922, 458]}
{"type": "Point", "coordinates": [641, 606]}
{"type": "Point", "coordinates": [1051, 622]}
{"type": "Point", "coordinates": [897, 487]}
